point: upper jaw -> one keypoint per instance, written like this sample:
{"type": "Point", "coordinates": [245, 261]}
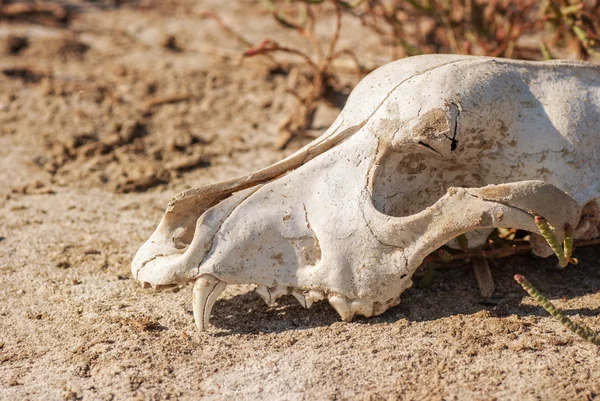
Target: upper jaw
{"type": "Point", "coordinates": [163, 261]}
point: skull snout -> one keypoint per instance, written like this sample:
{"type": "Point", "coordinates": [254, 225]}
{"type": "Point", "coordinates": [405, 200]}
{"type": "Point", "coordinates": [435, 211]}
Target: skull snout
{"type": "Point", "coordinates": [174, 253]}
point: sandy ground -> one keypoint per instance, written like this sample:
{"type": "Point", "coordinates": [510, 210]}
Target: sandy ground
{"type": "Point", "coordinates": [87, 165]}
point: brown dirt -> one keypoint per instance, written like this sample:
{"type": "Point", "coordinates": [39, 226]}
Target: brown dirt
{"type": "Point", "coordinates": [107, 114]}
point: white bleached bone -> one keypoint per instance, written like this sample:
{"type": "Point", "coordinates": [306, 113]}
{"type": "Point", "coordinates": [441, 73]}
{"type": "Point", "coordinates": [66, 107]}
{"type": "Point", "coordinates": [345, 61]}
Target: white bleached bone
{"type": "Point", "coordinates": [313, 296]}
{"type": "Point", "coordinates": [299, 295]}
{"type": "Point", "coordinates": [207, 289]}
{"type": "Point", "coordinates": [362, 307]}
{"type": "Point", "coordinates": [341, 305]}
{"type": "Point", "coordinates": [426, 148]}
{"type": "Point", "coordinates": [270, 295]}
{"type": "Point", "coordinates": [264, 293]}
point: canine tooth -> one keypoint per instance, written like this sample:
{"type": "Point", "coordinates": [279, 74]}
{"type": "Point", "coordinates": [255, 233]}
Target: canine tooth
{"type": "Point", "coordinates": [340, 304]}
{"type": "Point", "coordinates": [362, 307]}
{"type": "Point", "coordinates": [299, 295]}
{"type": "Point", "coordinates": [264, 293]}
{"type": "Point", "coordinates": [206, 290]}
{"type": "Point", "coordinates": [212, 298]}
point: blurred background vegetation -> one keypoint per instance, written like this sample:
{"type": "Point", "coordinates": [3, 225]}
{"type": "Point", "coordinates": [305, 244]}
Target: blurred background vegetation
{"type": "Point", "coordinates": [525, 29]}
{"type": "Point", "coordinates": [522, 29]}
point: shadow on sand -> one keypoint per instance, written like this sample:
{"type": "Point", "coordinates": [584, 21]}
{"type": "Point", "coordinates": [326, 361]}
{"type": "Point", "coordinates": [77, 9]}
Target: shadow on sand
{"type": "Point", "coordinates": [452, 292]}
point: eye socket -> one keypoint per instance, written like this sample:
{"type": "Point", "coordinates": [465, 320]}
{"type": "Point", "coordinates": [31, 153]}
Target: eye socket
{"type": "Point", "coordinates": [409, 179]}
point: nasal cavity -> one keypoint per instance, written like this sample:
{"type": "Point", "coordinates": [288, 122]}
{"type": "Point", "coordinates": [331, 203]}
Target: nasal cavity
{"type": "Point", "coordinates": [183, 236]}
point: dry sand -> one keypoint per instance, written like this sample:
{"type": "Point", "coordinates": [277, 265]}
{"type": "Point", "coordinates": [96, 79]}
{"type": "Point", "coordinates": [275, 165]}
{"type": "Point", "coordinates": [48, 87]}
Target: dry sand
{"type": "Point", "coordinates": [87, 165]}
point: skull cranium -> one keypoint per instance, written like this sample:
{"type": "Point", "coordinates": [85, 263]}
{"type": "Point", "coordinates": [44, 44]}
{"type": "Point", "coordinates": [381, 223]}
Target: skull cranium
{"type": "Point", "coordinates": [427, 148]}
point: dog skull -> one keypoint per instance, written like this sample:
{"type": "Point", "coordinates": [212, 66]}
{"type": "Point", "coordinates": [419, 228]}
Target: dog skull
{"type": "Point", "coordinates": [427, 148]}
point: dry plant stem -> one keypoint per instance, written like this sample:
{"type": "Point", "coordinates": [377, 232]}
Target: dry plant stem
{"type": "Point", "coordinates": [236, 35]}
{"type": "Point", "coordinates": [299, 122]}
{"type": "Point", "coordinates": [581, 330]}
{"type": "Point", "coordinates": [484, 277]}
{"type": "Point", "coordinates": [308, 30]}
{"type": "Point", "coordinates": [481, 268]}
{"type": "Point", "coordinates": [311, 31]}
{"type": "Point", "coordinates": [336, 34]}
{"type": "Point", "coordinates": [226, 28]}
{"type": "Point", "coordinates": [268, 46]}
{"type": "Point", "coordinates": [160, 100]}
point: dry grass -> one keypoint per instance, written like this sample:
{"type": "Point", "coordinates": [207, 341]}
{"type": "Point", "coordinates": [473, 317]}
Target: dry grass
{"type": "Point", "coordinates": [524, 29]}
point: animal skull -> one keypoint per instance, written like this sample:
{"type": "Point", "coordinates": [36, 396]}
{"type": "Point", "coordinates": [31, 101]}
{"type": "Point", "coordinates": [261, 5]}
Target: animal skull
{"type": "Point", "coordinates": [427, 148]}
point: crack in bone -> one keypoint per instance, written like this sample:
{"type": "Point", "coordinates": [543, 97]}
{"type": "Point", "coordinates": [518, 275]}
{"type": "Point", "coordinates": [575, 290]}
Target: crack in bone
{"type": "Point", "coordinates": [306, 216]}
{"type": "Point", "coordinates": [429, 147]}
{"type": "Point", "coordinates": [454, 113]}
{"type": "Point", "coordinates": [159, 255]}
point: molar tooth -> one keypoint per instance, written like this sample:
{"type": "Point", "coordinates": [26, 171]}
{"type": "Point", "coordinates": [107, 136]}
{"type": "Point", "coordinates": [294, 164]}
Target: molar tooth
{"type": "Point", "coordinates": [340, 304]}
{"type": "Point", "coordinates": [362, 306]}
{"type": "Point", "coordinates": [314, 296]}
{"type": "Point", "coordinates": [207, 289]}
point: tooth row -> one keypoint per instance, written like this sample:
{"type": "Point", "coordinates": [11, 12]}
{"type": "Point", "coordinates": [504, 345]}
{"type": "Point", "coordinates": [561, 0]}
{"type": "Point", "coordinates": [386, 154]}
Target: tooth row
{"type": "Point", "coordinates": [347, 308]}
{"type": "Point", "coordinates": [271, 294]}
{"type": "Point", "coordinates": [207, 289]}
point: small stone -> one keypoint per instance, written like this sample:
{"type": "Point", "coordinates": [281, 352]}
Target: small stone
{"type": "Point", "coordinates": [16, 44]}
{"type": "Point", "coordinates": [170, 42]}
